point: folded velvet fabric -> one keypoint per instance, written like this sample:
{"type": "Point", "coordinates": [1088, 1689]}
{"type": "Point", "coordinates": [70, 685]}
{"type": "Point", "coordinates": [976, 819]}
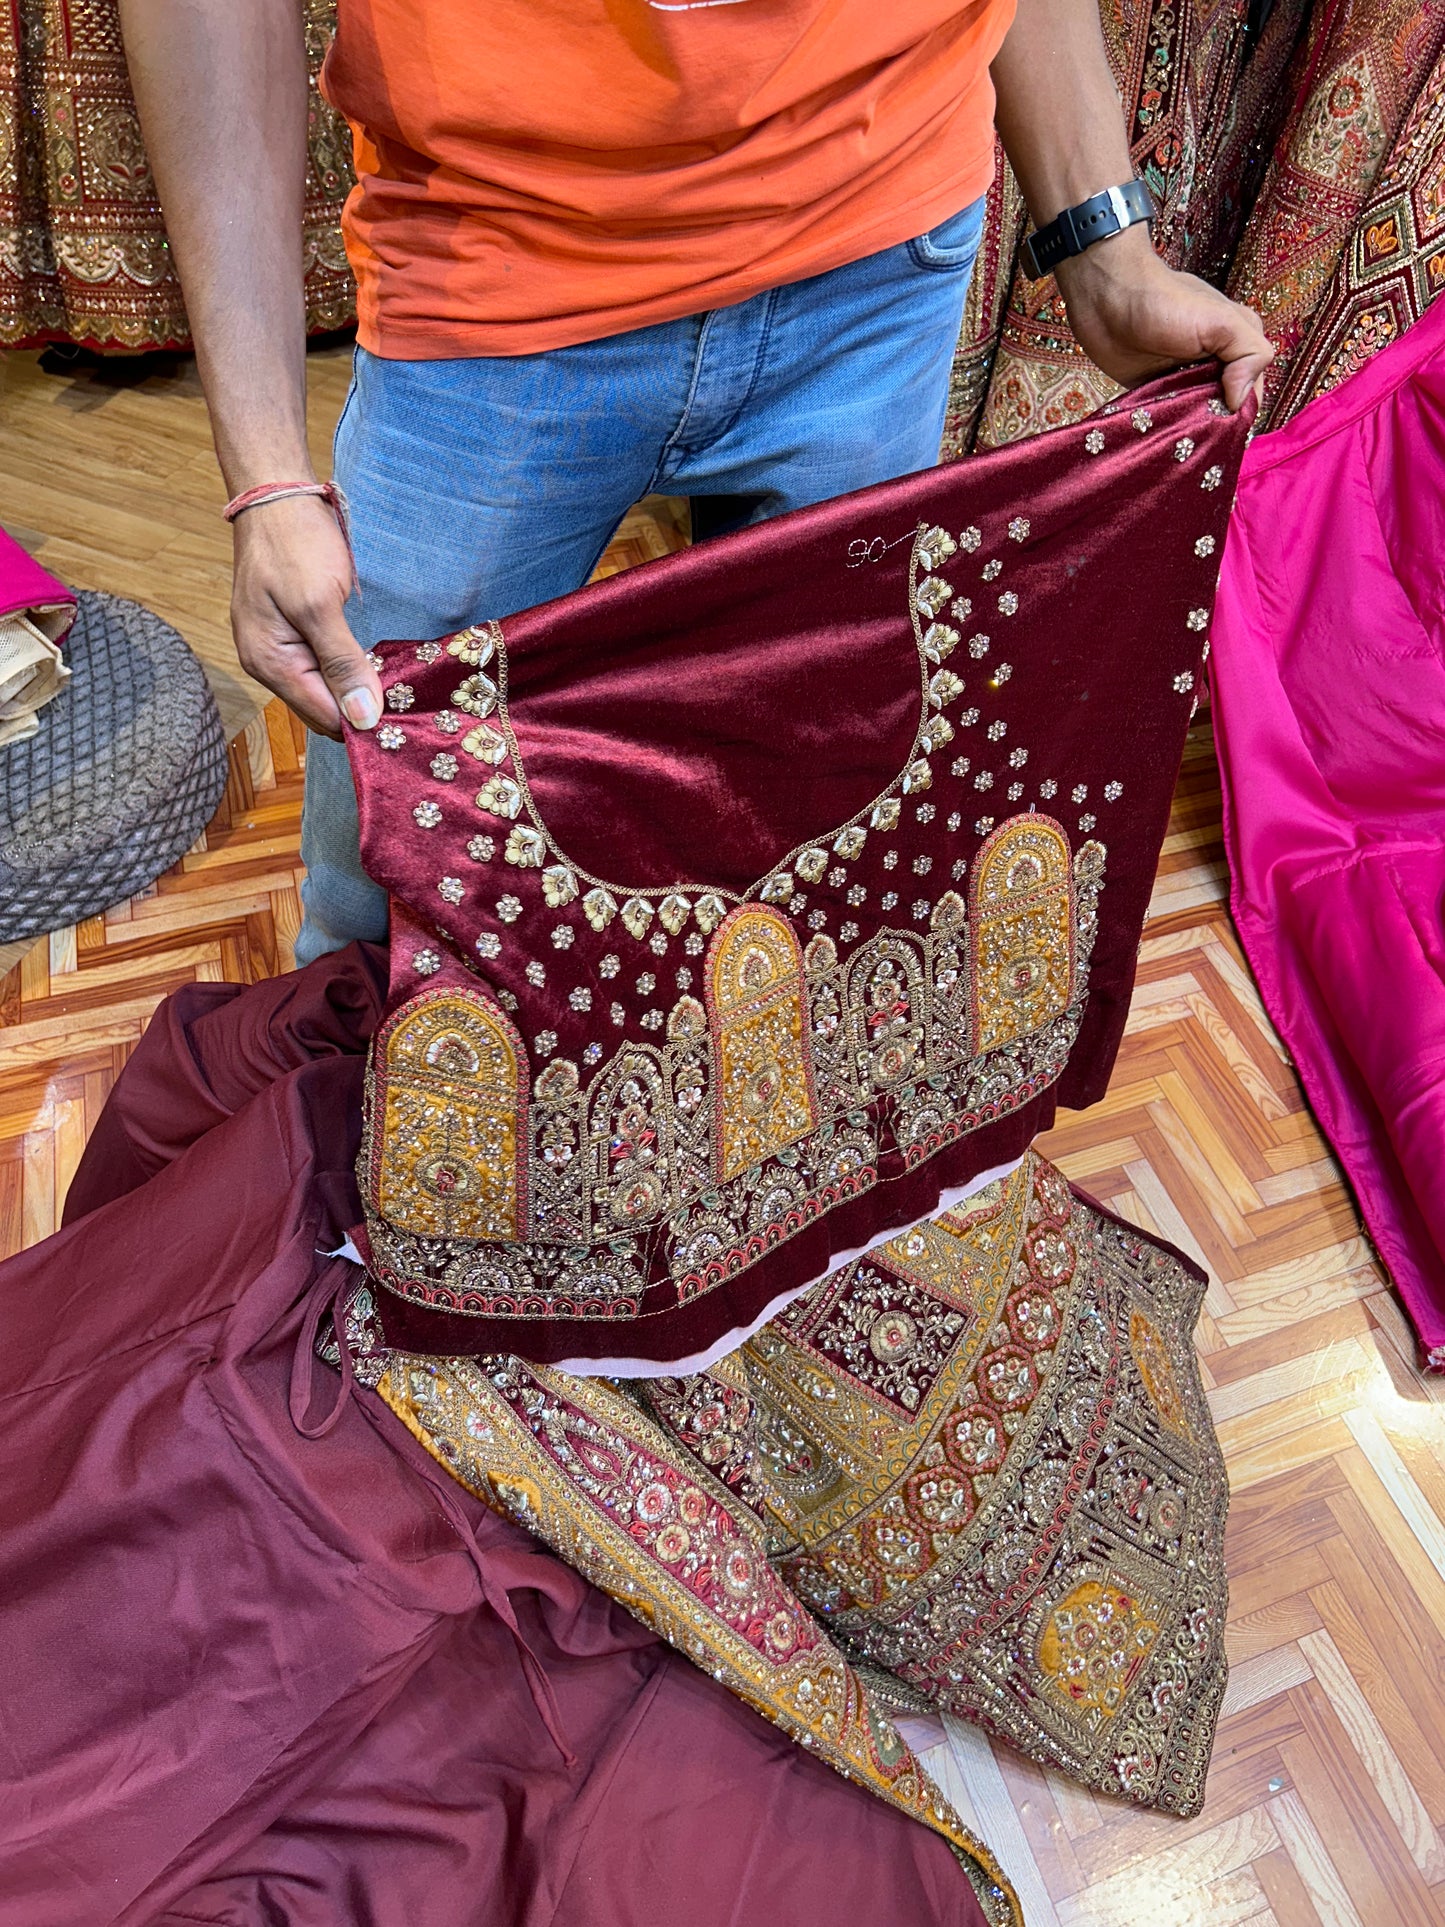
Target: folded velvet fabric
{"type": "Point", "coordinates": [36, 612]}
{"type": "Point", "coordinates": [1330, 680]}
{"type": "Point", "coordinates": [256, 1672]}
{"type": "Point", "coordinates": [755, 904]}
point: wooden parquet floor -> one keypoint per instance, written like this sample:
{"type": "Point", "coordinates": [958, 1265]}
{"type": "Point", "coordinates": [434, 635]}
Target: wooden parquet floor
{"type": "Point", "coordinates": [1327, 1796]}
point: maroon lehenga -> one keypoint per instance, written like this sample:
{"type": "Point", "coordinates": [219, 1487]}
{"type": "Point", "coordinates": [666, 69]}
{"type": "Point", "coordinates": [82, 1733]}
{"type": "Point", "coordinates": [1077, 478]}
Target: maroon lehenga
{"type": "Point", "coordinates": [274, 1652]}
{"type": "Point", "coordinates": [254, 1672]}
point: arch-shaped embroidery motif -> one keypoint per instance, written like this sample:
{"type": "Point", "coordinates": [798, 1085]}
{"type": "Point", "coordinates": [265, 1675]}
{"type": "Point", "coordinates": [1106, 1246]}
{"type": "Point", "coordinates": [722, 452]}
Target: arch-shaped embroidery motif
{"type": "Point", "coordinates": [450, 1101]}
{"type": "Point", "coordinates": [632, 1139]}
{"type": "Point", "coordinates": [1022, 950]}
{"type": "Point", "coordinates": [757, 1017]}
{"type": "Point", "coordinates": [886, 999]}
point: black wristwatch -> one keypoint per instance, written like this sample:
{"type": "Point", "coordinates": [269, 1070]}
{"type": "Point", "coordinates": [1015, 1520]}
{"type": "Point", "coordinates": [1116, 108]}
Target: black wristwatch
{"type": "Point", "coordinates": [1079, 227]}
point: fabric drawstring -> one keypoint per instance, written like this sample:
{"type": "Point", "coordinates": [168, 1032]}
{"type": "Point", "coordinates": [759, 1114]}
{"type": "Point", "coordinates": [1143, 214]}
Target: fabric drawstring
{"type": "Point", "coordinates": [327, 1295]}
{"type": "Point", "coordinates": [500, 1601]}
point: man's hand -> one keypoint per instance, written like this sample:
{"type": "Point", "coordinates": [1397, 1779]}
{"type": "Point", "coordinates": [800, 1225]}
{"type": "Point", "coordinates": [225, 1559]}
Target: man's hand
{"type": "Point", "coordinates": [1133, 316]}
{"type": "Point", "coordinates": [1058, 114]}
{"type": "Point", "coordinates": [293, 575]}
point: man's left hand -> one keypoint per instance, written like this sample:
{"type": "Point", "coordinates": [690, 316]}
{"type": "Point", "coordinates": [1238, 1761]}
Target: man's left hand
{"type": "Point", "coordinates": [1133, 316]}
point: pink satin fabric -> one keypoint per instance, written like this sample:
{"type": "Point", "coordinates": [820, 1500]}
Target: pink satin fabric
{"type": "Point", "coordinates": [25, 587]}
{"type": "Point", "coordinates": [1329, 676]}
{"type": "Point", "coordinates": [252, 1676]}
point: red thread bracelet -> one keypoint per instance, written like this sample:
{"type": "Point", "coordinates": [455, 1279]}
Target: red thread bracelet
{"type": "Point", "coordinates": [254, 498]}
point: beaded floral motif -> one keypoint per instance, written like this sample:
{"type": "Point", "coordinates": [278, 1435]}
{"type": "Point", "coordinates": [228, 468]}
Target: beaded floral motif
{"type": "Point", "coordinates": [1094, 1643]}
{"type": "Point", "coordinates": [980, 1457]}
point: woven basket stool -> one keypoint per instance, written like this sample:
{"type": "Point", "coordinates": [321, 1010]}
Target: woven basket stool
{"type": "Point", "coordinates": [126, 771]}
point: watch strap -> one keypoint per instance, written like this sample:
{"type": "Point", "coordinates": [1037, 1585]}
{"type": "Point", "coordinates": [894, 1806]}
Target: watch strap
{"type": "Point", "coordinates": [1079, 227]}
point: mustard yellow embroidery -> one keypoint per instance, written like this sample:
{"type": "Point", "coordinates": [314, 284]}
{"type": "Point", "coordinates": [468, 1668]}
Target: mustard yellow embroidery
{"type": "Point", "coordinates": [1023, 939]}
{"type": "Point", "coordinates": [452, 1097]}
{"type": "Point", "coordinates": [1156, 1373]}
{"type": "Point", "coordinates": [1093, 1644]}
{"type": "Point", "coordinates": [763, 1079]}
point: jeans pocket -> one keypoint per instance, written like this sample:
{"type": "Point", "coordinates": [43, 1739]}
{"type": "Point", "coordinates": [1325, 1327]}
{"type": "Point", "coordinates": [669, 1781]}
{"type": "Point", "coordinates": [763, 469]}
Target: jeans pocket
{"type": "Point", "coordinates": [951, 245]}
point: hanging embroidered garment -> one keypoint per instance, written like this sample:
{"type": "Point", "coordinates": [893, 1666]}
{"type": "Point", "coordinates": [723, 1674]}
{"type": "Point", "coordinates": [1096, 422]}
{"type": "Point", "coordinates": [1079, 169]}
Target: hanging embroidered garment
{"type": "Point", "coordinates": [1390, 269]}
{"type": "Point", "coordinates": [1330, 679]}
{"type": "Point", "coordinates": [1201, 88]}
{"type": "Point", "coordinates": [1343, 247]}
{"type": "Point", "coordinates": [752, 906]}
{"type": "Point", "coordinates": [83, 250]}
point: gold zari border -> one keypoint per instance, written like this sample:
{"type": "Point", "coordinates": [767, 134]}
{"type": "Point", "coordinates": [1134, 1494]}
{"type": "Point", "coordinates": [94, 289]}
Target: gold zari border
{"type": "Point", "coordinates": [455, 1410]}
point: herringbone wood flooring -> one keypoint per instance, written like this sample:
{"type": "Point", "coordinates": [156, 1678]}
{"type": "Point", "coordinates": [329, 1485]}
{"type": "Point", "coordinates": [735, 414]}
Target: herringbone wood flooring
{"type": "Point", "coordinates": [1328, 1790]}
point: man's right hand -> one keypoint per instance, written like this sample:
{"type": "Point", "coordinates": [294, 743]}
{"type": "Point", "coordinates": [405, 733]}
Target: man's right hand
{"type": "Point", "coordinates": [293, 576]}
{"type": "Point", "coordinates": [213, 80]}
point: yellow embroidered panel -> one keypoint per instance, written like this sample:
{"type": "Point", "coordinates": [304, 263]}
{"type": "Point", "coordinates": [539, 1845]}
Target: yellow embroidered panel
{"type": "Point", "coordinates": [1094, 1643]}
{"type": "Point", "coordinates": [1156, 1373]}
{"type": "Point", "coordinates": [1023, 936]}
{"type": "Point", "coordinates": [452, 1096]}
{"type": "Point", "coordinates": [763, 1077]}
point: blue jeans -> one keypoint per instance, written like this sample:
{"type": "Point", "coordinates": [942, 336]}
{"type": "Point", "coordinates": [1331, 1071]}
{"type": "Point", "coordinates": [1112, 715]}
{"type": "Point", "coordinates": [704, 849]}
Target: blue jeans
{"type": "Point", "coordinates": [481, 486]}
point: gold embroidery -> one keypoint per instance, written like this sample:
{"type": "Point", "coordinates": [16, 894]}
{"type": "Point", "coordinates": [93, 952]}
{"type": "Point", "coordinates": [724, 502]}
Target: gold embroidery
{"type": "Point", "coordinates": [736, 1135]}
{"type": "Point", "coordinates": [1023, 954]}
{"type": "Point", "coordinates": [943, 1454]}
{"type": "Point", "coordinates": [1094, 1643]}
{"type": "Point", "coordinates": [577, 1462]}
{"type": "Point", "coordinates": [762, 1077]}
{"type": "Point", "coordinates": [451, 1096]}
{"type": "Point", "coordinates": [959, 1471]}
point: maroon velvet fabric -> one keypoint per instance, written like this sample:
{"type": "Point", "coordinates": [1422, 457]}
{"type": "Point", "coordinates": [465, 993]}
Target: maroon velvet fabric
{"type": "Point", "coordinates": [252, 1677]}
{"type": "Point", "coordinates": [691, 723]}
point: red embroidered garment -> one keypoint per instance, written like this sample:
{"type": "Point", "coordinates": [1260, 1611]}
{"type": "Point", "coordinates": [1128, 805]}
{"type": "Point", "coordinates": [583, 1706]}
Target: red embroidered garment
{"type": "Point", "coordinates": [749, 907]}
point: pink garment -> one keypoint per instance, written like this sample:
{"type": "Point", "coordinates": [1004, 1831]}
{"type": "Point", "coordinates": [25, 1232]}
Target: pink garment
{"type": "Point", "coordinates": [1329, 680]}
{"type": "Point", "coordinates": [28, 590]}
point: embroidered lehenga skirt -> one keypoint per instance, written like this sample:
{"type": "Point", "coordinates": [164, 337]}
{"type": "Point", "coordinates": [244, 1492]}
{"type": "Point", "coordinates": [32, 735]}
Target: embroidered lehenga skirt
{"type": "Point", "coordinates": [751, 914]}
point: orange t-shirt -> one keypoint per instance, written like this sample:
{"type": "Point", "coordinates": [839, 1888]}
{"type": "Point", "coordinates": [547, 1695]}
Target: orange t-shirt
{"type": "Point", "coordinates": [534, 173]}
